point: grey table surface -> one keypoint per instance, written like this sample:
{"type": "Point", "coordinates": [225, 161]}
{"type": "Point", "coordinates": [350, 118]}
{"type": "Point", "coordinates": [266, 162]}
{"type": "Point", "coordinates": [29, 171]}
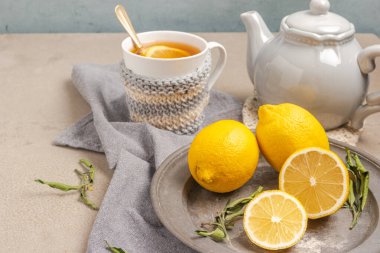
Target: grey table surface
{"type": "Point", "coordinates": [38, 101]}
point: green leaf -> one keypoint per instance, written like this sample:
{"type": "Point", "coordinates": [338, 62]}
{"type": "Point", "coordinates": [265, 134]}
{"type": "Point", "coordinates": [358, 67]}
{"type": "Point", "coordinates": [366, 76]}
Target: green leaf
{"type": "Point", "coordinates": [90, 168]}
{"type": "Point", "coordinates": [217, 234]}
{"type": "Point", "coordinates": [354, 219]}
{"type": "Point", "coordinates": [359, 164]}
{"type": "Point", "coordinates": [349, 160]}
{"type": "Point", "coordinates": [351, 196]}
{"type": "Point", "coordinates": [85, 200]}
{"type": "Point", "coordinates": [59, 186]}
{"type": "Point", "coordinates": [365, 191]}
{"type": "Point", "coordinates": [114, 249]}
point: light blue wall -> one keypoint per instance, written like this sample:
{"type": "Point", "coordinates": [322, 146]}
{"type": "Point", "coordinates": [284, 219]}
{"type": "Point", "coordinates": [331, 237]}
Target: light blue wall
{"type": "Point", "coordinates": [19, 16]}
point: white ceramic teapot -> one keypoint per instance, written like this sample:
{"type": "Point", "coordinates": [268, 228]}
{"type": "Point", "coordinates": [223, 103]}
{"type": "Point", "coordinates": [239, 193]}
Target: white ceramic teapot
{"type": "Point", "coordinates": [315, 62]}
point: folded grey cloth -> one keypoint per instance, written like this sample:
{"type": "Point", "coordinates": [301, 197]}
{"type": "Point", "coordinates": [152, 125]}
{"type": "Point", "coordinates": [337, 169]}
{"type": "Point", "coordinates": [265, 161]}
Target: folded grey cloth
{"type": "Point", "coordinates": [126, 217]}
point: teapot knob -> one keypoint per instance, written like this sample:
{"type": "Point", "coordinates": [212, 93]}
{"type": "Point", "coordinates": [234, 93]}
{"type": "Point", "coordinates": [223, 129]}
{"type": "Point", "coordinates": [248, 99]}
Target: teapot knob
{"type": "Point", "coordinates": [319, 7]}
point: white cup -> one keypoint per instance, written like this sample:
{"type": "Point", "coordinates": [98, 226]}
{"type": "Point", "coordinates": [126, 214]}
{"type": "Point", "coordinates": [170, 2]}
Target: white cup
{"type": "Point", "coordinates": [163, 68]}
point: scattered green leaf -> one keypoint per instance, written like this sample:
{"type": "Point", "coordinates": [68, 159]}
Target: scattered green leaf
{"type": "Point", "coordinates": [359, 186]}
{"type": "Point", "coordinates": [225, 220]}
{"type": "Point", "coordinates": [114, 249]}
{"type": "Point", "coordinates": [86, 183]}
{"type": "Point", "coordinates": [59, 186]}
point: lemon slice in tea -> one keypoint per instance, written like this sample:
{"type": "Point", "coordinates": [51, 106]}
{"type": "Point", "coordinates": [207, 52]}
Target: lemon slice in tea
{"type": "Point", "coordinates": [165, 52]}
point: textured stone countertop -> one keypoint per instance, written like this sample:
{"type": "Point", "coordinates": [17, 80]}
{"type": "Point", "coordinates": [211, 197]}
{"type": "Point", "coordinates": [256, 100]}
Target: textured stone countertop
{"type": "Point", "coordinates": [38, 101]}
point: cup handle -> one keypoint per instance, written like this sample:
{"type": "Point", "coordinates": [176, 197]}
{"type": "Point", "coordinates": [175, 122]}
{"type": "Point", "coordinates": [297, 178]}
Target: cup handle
{"type": "Point", "coordinates": [366, 61]}
{"type": "Point", "coordinates": [222, 58]}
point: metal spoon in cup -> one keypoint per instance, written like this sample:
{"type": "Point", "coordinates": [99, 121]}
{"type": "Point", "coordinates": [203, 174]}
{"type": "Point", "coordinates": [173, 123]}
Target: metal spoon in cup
{"type": "Point", "coordinates": [123, 17]}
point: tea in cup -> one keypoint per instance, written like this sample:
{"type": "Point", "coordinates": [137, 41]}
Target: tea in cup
{"type": "Point", "coordinates": [172, 67]}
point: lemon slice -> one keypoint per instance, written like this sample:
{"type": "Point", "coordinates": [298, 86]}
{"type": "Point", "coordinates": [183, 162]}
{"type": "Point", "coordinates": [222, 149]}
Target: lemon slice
{"type": "Point", "coordinates": [318, 178]}
{"type": "Point", "coordinates": [275, 220]}
{"type": "Point", "coordinates": [165, 52]}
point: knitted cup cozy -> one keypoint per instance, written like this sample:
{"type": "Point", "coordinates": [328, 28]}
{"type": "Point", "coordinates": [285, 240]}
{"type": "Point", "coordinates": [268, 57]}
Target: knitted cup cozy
{"type": "Point", "coordinates": [175, 104]}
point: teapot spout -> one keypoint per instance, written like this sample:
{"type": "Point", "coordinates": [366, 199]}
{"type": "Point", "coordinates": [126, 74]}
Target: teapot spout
{"type": "Point", "coordinates": [258, 35]}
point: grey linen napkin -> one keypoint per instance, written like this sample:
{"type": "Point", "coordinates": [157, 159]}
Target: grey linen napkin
{"type": "Point", "coordinates": [126, 217]}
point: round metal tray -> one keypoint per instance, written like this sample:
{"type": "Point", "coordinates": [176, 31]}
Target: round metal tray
{"type": "Point", "coordinates": [182, 205]}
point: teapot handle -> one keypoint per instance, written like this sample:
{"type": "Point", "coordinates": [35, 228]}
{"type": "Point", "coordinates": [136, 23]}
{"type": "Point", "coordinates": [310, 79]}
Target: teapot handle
{"type": "Point", "coordinates": [366, 61]}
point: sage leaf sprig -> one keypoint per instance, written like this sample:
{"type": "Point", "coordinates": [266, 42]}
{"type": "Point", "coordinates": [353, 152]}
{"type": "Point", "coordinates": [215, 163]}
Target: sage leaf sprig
{"type": "Point", "coordinates": [86, 183]}
{"type": "Point", "coordinates": [114, 249]}
{"type": "Point", "coordinates": [225, 220]}
{"type": "Point", "coordinates": [359, 186]}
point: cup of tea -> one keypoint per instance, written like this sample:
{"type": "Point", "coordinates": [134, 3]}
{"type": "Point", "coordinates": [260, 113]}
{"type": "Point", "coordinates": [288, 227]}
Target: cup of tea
{"type": "Point", "coordinates": [168, 84]}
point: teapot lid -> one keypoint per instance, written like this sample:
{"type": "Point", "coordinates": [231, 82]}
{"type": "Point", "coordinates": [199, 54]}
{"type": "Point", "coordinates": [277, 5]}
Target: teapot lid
{"type": "Point", "coordinates": [318, 23]}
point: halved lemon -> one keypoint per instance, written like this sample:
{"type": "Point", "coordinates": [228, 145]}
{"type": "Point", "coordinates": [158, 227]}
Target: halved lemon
{"type": "Point", "coordinates": [165, 52]}
{"type": "Point", "coordinates": [318, 179]}
{"type": "Point", "coordinates": [275, 220]}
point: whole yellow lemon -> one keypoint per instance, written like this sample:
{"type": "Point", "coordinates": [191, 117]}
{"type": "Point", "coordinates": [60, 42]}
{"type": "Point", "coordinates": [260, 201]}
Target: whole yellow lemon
{"type": "Point", "coordinates": [223, 156]}
{"type": "Point", "coordinates": [285, 128]}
